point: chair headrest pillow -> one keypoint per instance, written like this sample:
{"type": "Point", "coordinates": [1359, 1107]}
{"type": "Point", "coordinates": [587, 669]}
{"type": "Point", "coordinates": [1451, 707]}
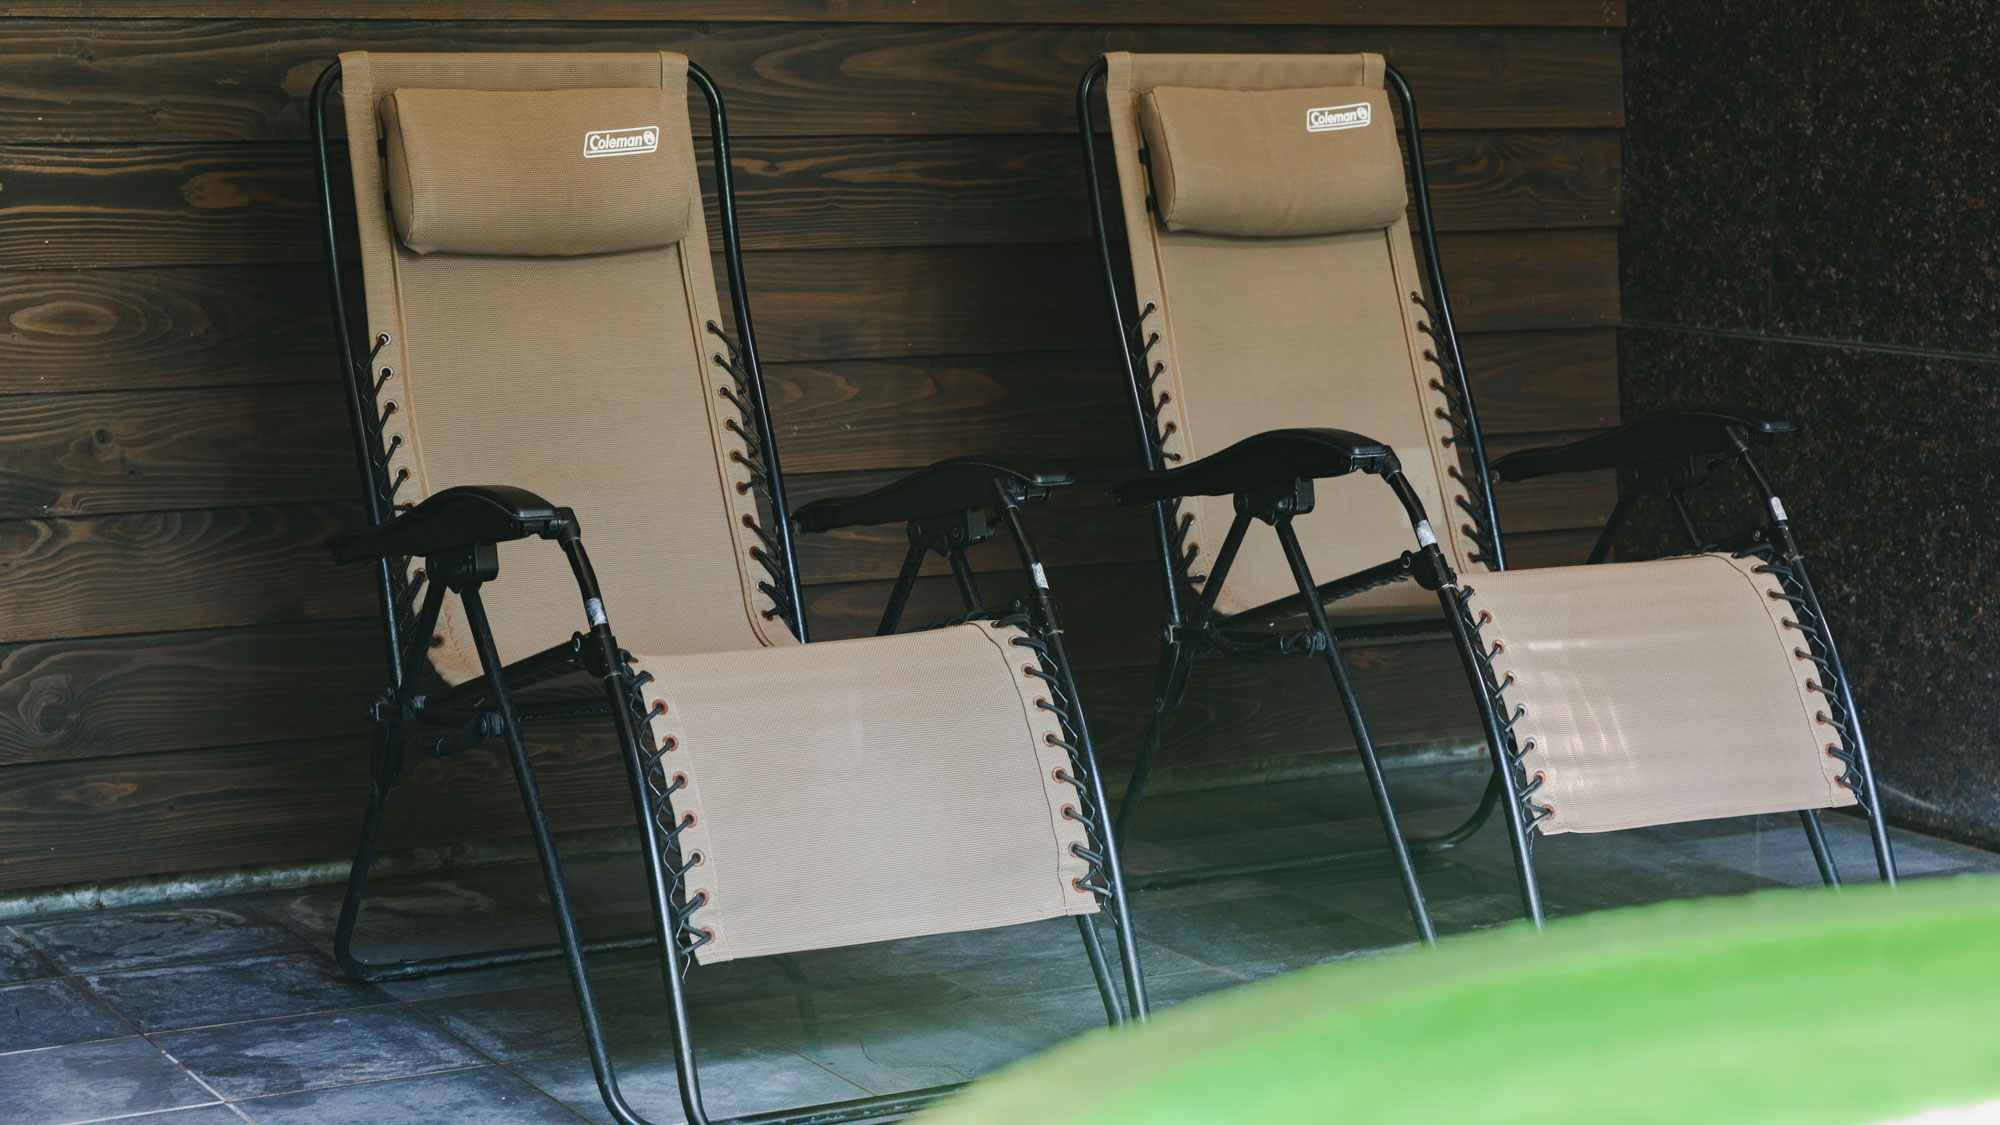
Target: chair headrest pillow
{"type": "Point", "coordinates": [1272, 163]}
{"type": "Point", "coordinates": [552, 173]}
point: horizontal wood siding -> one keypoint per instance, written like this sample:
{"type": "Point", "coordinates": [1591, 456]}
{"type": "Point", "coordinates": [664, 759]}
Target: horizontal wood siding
{"type": "Point", "coordinates": [183, 673]}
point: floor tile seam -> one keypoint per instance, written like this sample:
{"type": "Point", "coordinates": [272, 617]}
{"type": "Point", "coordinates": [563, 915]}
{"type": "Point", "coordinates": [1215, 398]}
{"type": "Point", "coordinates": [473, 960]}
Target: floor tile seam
{"type": "Point", "coordinates": [448, 1032]}
{"type": "Point", "coordinates": [151, 1042]}
{"type": "Point", "coordinates": [147, 1113]}
{"type": "Point", "coordinates": [543, 1091]}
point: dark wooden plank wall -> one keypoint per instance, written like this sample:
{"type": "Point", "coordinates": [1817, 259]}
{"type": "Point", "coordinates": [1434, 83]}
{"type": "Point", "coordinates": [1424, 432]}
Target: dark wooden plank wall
{"type": "Point", "coordinates": [182, 673]}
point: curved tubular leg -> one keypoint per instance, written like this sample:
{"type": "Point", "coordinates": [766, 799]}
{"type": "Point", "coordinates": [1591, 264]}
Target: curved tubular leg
{"type": "Point", "coordinates": [1509, 789]}
{"type": "Point", "coordinates": [1176, 662]}
{"type": "Point", "coordinates": [1176, 665]}
{"type": "Point", "coordinates": [1107, 989]}
{"type": "Point", "coordinates": [1794, 559]}
{"type": "Point", "coordinates": [666, 902]}
{"type": "Point", "coordinates": [1488, 798]}
{"type": "Point", "coordinates": [387, 768]}
{"type": "Point", "coordinates": [538, 826]}
{"type": "Point", "coordinates": [1822, 856]}
{"type": "Point", "coordinates": [1049, 624]}
{"type": "Point", "coordinates": [1871, 798]}
{"type": "Point", "coordinates": [1343, 682]}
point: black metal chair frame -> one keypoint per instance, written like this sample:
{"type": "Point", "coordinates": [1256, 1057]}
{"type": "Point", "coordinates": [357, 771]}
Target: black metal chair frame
{"type": "Point", "coordinates": [1271, 477]}
{"type": "Point", "coordinates": [947, 508]}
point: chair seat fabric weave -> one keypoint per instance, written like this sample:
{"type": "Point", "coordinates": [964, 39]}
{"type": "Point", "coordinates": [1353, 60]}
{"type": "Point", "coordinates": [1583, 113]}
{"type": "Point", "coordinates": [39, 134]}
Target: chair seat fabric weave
{"type": "Point", "coordinates": [864, 790]}
{"type": "Point", "coordinates": [1657, 692]}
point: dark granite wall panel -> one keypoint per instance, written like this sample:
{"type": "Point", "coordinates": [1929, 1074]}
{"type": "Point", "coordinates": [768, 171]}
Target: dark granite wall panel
{"type": "Point", "coordinates": [1808, 228]}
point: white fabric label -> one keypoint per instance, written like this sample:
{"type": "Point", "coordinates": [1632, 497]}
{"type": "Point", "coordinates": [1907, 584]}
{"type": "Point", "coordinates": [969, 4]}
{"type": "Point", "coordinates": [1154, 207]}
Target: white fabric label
{"type": "Point", "coordinates": [1328, 118]}
{"type": "Point", "coordinates": [1041, 578]}
{"type": "Point", "coordinates": [594, 609]}
{"type": "Point", "coordinates": [621, 142]}
{"type": "Point", "coordinates": [1424, 536]}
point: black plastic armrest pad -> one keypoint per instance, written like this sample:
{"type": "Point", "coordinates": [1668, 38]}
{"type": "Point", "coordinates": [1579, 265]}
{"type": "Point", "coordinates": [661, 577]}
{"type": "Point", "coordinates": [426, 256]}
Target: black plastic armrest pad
{"type": "Point", "coordinates": [1274, 458]}
{"type": "Point", "coordinates": [961, 484]}
{"type": "Point", "coordinates": [453, 519]}
{"type": "Point", "coordinates": [1655, 438]}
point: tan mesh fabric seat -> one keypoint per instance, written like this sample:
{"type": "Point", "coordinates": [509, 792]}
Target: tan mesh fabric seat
{"type": "Point", "coordinates": [543, 321]}
{"type": "Point", "coordinates": [912, 775]}
{"type": "Point", "coordinates": [1277, 308]}
{"type": "Point", "coordinates": [1656, 692]}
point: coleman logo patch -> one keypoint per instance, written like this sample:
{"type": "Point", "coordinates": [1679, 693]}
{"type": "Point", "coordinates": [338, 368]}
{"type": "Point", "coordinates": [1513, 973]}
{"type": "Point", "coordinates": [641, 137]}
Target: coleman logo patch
{"type": "Point", "coordinates": [1328, 118]}
{"type": "Point", "coordinates": [623, 142]}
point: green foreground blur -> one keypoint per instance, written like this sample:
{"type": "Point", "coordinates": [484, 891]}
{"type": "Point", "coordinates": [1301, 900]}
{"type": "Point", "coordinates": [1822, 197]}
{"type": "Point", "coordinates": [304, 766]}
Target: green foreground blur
{"type": "Point", "coordinates": [1866, 1006]}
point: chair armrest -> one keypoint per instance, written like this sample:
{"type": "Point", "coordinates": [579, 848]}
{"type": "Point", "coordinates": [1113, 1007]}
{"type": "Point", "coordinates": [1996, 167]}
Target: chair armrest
{"type": "Point", "coordinates": [1651, 440]}
{"type": "Point", "coordinates": [961, 484]}
{"type": "Point", "coordinates": [1273, 459]}
{"type": "Point", "coordinates": [453, 520]}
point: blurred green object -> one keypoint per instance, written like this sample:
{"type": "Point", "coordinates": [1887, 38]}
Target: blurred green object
{"type": "Point", "coordinates": [1867, 1006]}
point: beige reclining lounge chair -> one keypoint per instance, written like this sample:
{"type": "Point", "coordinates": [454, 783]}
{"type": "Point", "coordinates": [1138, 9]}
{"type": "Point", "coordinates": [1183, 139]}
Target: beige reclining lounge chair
{"type": "Point", "coordinates": [1274, 290]}
{"type": "Point", "coordinates": [541, 312]}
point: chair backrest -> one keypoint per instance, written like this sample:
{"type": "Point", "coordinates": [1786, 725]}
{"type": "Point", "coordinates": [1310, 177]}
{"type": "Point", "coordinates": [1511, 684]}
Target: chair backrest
{"type": "Point", "coordinates": [1265, 204]}
{"type": "Point", "coordinates": [535, 249]}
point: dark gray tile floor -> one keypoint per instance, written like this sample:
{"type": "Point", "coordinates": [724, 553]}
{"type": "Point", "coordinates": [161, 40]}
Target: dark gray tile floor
{"type": "Point", "coordinates": [233, 1010]}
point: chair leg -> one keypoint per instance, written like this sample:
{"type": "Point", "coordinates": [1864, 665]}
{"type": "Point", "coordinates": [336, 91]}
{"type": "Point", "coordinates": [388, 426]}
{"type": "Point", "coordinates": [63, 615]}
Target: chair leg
{"type": "Point", "coordinates": [1488, 798]}
{"type": "Point", "coordinates": [538, 827]}
{"type": "Point", "coordinates": [357, 877]}
{"type": "Point", "coordinates": [1828, 874]}
{"type": "Point", "coordinates": [1497, 743]}
{"type": "Point", "coordinates": [378, 972]}
{"type": "Point", "coordinates": [1107, 988]}
{"type": "Point", "coordinates": [1343, 682]}
{"type": "Point", "coordinates": [1176, 664]}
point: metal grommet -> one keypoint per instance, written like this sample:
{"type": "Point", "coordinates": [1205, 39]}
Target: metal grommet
{"type": "Point", "coordinates": [1028, 670]}
{"type": "Point", "coordinates": [1078, 884]}
{"type": "Point", "coordinates": [669, 743]}
{"type": "Point", "coordinates": [1069, 813]}
{"type": "Point", "coordinates": [1049, 739]}
{"type": "Point", "coordinates": [389, 408]}
{"type": "Point", "coordinates": [680, 781]}
{"type": "Point", "coordinates": [437, 640]}
{"type": "Point", "coordinates": [689, 820]}
{"type": "Point", "coordinates": [742, 487]}
{"type": "Point", "coordinates": [702, 894]}
{"type": "Point", "coordinates": [696, 859]}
